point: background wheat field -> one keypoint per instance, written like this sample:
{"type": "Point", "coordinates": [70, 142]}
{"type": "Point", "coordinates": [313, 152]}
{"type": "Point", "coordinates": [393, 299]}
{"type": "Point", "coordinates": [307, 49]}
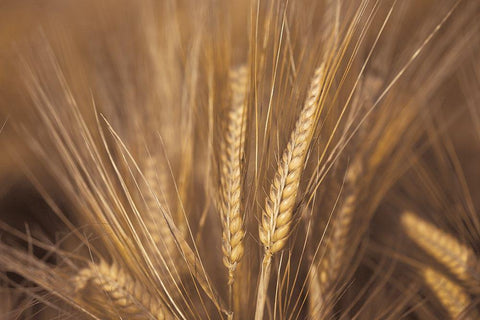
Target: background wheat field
{"type": "Point", "coordinates": [250, 159]}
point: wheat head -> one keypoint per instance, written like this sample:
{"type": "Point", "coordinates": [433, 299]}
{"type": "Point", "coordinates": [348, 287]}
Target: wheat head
{"type": "Point", "coordinates": [121, 293]}
{"type": "Point", "coordinates": [457, 257]}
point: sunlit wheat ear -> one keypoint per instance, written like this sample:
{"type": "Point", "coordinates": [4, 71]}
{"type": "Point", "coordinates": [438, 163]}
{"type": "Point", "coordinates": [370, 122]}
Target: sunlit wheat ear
{"type": "Point", "coordinates": [153, 219]}
{"type": "Point", "coordinates": [277, 216]}
{"type": "Point", "coordinates": [451, 296]}
{"type": "Point", "coordinates": [232, 149]}
{"type": "Point", "coordinates": [333, 259]}
{"type": "Point", "coordinates": [120, 294]}
{"type": "Point", "coordinates": [457, 257]}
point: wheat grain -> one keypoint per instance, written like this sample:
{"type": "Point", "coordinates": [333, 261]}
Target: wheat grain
{"type": "Point", "coordinates": [277, 216]}
{"type": "Point", "coordinates": [457, 257]}
{"type": "Point", "coordinates": [451, 296]}
{"type": "Point", "coordinates": [121, 293]}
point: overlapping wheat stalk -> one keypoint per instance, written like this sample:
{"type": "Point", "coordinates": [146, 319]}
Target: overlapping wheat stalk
{"type": "Point", "coordinates": [277, 216]}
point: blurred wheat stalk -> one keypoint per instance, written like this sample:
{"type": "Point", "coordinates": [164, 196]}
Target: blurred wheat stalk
{"type": "Point", "coordinates": [242, 160]}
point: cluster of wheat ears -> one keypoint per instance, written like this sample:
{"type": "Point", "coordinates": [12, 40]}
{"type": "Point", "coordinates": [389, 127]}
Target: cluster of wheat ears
{"type": "Point", "coordinates": [287, 159]}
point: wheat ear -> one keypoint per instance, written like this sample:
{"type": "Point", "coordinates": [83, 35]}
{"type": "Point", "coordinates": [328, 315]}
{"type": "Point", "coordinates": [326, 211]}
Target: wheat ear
{"type": "Point", "coordinates": [277, 216]}
{"type": "Point", "coordinates": [451, 295]}
{"type": "Point", "coordinates": [121, 292]}
{"type": "Point", "coordinates": [232, 149]}
{"type": "Point", "coordinates": [156, 225]}
{"type": "Point", "coordinates": [331, 263]}
{"type": "Point", "coordinates": [169, 238]}
{"type": "Point", "coordinates": [457, 257]}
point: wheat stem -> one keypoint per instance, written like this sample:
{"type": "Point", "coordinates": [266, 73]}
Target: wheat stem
{"type": "Point", "coordinates": [277, 217]}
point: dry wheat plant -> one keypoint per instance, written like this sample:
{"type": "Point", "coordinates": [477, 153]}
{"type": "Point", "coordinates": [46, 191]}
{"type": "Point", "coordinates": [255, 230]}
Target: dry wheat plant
{"type": "Point", "coordinates": [250, 159]}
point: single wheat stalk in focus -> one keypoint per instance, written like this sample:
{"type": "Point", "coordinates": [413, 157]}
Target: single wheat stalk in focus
{"type": "Point", "coordinates": [232, 149]}
{"type": "Point", "coordinates": [277, 216]}
{"type": "Point", "coordinates": [331, 263]}
{"type": "Point", "coordinates": [451, 296]}
{"type": "Point", "coordinates": [457, 257]}
{"type": "Point", "coordinates": [120, 292]}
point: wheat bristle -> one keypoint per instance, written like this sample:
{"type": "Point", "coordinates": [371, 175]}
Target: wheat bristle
{"type": "Point", "coordinates": [457, 257]}
{"type": "Point", "coordinates": [451, 296]}
{"type": "Point", "coordinates": [121, 292]}
{"type": "Point", "coordinates": [230, 179]}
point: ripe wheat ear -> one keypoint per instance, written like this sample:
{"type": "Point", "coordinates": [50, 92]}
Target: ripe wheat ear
{"type": "Point", "coordinates": [121, 294]}
{"type": "Point", "coordinates": [457, 257]}
{"type": "Point", "coordinates": [277, 216]}
{"type": "Point", "coordinates": [451, 295]}
{"type": "Point", "coordinates": [327, 272]}
{"type": "Point", "coordinates": [231, 152]}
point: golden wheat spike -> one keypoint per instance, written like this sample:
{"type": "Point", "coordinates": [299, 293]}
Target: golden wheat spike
{"type": "Point", "coordinates": [179, 258]}
{"type": "Point", "coordinates": [277, 216]}
{"type": "Point", "coordinates": [121, 293]}
{"type": "Point", "coordinates": [334, 258]}
{"type": "Point", "coordinates": [315, 303]}
{"type": "Point", "coordinates": [452, 296]}
{"type": "Point", "coordinates": [153, 219]}
{"type": "Point", "coordinates": [457, 257]}
{"type": "Point", "coordinates": [230, 179]}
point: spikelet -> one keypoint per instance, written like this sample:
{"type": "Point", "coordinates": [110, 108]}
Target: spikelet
{"type": "Point", "coordinates": [121, 294]}
{"type": "Point", "coordinates": [458, 258]}
{"type": "Point", "coordinates": [277, 216]}
{"type": "Point", "coordinates": [451, 296]}
{"type": "Point", "coordinates": [232, 149]}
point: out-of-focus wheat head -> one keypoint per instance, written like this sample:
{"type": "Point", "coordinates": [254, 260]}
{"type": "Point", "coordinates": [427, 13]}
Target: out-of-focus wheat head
{"type": "Point", "coordinates": [239, 160]}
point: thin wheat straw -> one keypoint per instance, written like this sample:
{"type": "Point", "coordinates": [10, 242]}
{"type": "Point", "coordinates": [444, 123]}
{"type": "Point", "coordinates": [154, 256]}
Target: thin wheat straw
{"type": "Point", "coordinates": [277, 217]}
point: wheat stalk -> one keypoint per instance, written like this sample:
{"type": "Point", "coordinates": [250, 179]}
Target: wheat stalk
{"type": "Point", "coordinates": [451, 296]}
{"type": "Point", "coordinates": [121, 292]}
{"type": "Point", "coordinates": [232, 149]}
{"type": "Point", "coordinates": [457, 257]}
{"type": "Point", "coordinates": [277, 216]}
